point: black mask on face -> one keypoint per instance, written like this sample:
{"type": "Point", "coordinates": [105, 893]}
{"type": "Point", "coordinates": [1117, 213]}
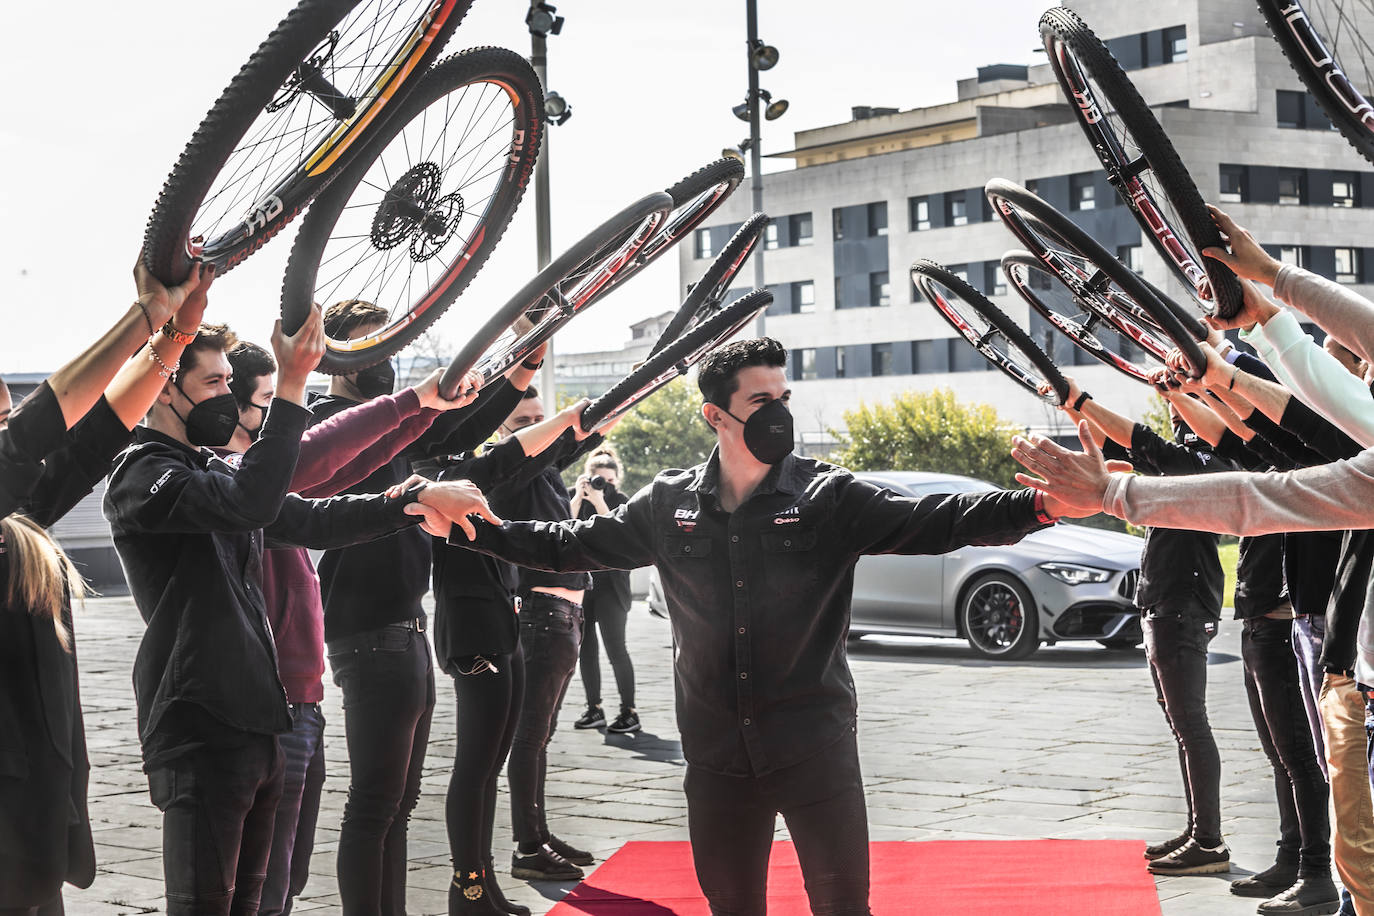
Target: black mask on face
{"type": "Point", "coordinates": [262, 418]}
{"type": "Point", "coordinates": [210, 422]}
{"type": "Point", "coordinates": [768, 432]}
{"type": "Point", "coordinates": [375, 381]}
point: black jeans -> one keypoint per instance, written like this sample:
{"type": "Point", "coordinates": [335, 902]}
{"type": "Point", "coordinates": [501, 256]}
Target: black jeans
{"type": "Point", "coordinates": [387, 679]}
{"type": "Point", "coordinates": [293, 836]}
{"type": "Point", "coordinates": [731, 820]}
{"type": "Point", "coordinates": [489, 698]}
{"type": "Point", "coordinates": [218, 805]}
{"type": "Point", "coordinates": [550, 631]}
{"type": "Point", "coordinates": [1276, 705]}
{"type": "Point", "coordinates": [1176, 646]}
{"type": "Point", "coordinates": [601, 609]}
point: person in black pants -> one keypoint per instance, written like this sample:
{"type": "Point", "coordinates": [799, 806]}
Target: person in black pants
{"type": "Point", "coordinates": [607, 604]}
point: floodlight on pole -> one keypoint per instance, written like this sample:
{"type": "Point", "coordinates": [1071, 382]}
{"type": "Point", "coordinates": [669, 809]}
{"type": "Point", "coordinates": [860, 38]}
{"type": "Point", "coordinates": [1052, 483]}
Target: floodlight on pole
{"type": "Point", "coordinates": [763, 57]}
{"type": "Point", "coordinates": [556, 108]}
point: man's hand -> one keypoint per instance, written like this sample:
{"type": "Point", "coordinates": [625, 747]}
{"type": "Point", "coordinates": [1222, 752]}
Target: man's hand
{"type": "Point", "coordinates": [1246, 258]}
{"type": "Point", "coordinates": [428, 391]}
{"type": "Point", "coordinates": [298, 355]}
{"type": "Point", "coordinates": [1075, 481]}
{"type": "Point", "coordinates": [455, 500]}
{"type": "Point", "coordinates": [186, 300]}
{"type": "Point", "coordinates": [1255, 309]}
{"type": "Point", "coordinates": [571, 417]}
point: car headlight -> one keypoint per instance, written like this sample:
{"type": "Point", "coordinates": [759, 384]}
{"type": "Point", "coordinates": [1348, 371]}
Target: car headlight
{"type": "Point", "coordinates": [1075, 574]}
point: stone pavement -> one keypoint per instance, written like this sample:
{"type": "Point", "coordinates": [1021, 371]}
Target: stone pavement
{"type": "Point", "coordinates": [1069, 743]}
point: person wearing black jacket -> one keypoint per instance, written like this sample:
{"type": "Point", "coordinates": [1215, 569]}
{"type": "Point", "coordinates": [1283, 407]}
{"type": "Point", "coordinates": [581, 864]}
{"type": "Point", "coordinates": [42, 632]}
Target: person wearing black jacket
{"type": "Point", "coordinates": [1179, 594]}
{"type": "Point", "coordinates": [374, 631]}
{"type": "Point", "coordinates": [189, 528]}
{"type": "Point", "coordinates": [756, 549]}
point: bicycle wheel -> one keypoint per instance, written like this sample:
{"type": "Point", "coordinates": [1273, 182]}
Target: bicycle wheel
{"type": "Point", "coordinates": [1140, 161]}
{"type": "Point", "coordinates": [675, 359]}
{"type": "Point", "coordinates": [411, 220]}
{"type": "Point", "coordinates": [1327, 43]}
{"type": "Point", "coordinates": [1078, 320]}
{"type": "Point", "coordinates": [559, 292]}
{"type": "Point", "coordinates": [982, 324]}
{"type": "Point", "coordinates": [1091, 272]}
{"type": "Point", "coordinates": [694, 198]}
{"type": "Point", "coordinates": [287, 124]}
{"type": "Point", "coordinates": [707, 293]}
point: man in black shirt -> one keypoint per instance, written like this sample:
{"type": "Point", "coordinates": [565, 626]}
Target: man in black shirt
{"type": "Point", "coordinates": [756, 549]}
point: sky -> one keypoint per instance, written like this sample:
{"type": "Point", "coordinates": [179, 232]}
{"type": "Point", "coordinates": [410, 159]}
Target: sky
{"type": "Point", "coordinates": [99, 110]}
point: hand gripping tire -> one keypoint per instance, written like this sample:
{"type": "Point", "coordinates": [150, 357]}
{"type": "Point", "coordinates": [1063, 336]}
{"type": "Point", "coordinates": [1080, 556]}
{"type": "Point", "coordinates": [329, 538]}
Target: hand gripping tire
{"type": "Point", "coordinates": [411, 220]}
{"type": "Point", "coordinates": [559, 292]}
{"type": "Point", "coordinates": [675, 359]}
{"type": "Point", "coordinates": [981, 323]}
{"type": "Point", "coordinates": [289, 121]}
{"type": "Point", "coordinates": [706, 294]}
{"type": "Point", "coordinates": [1140, 161]}
{"type": "Point", "coordinates": [1091, 272]}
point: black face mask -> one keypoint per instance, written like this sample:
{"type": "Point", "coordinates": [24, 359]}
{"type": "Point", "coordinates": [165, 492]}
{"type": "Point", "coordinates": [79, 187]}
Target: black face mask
{"type": "Point", "coordinates": [262, 418]}
{"type": "Point", "coordinates": [210, 422]}
{"type": "Point", "coordinates": [375, 381]}
{"type": "Point", "coordinates": [768, 432]}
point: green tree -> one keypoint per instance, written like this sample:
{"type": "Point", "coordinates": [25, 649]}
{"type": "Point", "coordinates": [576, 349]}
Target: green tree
{"type": "Point", "coordinates": [929, 431]}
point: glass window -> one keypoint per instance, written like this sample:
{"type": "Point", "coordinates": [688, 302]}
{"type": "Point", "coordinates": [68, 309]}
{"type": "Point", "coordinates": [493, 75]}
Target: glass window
{"type": "Point", "coordinates": [1291, 108]}
{"type": "Point", "coordinates": [1233, 184]}
{"type": "Point", "coordinates": [1082, 192]}
{"type": "Point", "coordinates": [1348, 265]}
{"type": "Point", "coordinates": [1175, 44]}
{"type": "Point", "coordinates": [770, 237]}
{"type": "Point", "coordinates": [920, 213]}
{"type": "Point", "coordinates": [877, 219]}
{"type": "Point", "coordinates": [1293, 254]}
{"type": "Point", "coordinates": [799, 228]}
{"type": "Point", "coordinates": [959, 270]}
{"type": "Point", "coordinates": [1345, 189]}
{"type": "Point", "coordinates": [994, 281]}
{"type": "Point", "coordinates": [1130, 256]}
{"type": "Point", "coordinates": [956, 211]}
{"type": "Point", "coordinates": [703, 244]}
{"type": "Point", "coordinates": [963, 358]}
{"type": "Point", "coordinates": [1292, 187]}
{"type": "Point", "coordinates": [804, 297]}
{"type": "Point", "coordinates": [879, 292]}
{"type": "Point", "coordinates": [805, 363]}
{"type": "Point", "coordinates": [839, 362]}
{"type": "Point", "coordinates": [881, 358]}
{"type": "Point", "coordinates": [837, 216]}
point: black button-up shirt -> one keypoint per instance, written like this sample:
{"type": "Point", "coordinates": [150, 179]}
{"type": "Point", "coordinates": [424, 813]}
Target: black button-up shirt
{"type": "Point", "coordinates": [759, 597]}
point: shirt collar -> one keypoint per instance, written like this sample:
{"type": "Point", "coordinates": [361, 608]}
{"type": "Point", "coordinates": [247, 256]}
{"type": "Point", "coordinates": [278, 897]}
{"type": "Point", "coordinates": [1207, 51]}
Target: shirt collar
{"type": "Point", "coordinates": [786, 477]}
{"type": "Point", "coordinates": [148, 434]}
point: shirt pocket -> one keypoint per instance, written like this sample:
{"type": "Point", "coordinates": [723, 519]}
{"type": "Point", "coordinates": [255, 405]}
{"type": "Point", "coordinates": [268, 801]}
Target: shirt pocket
{"type": "Point", "coordinates": [789, 562]}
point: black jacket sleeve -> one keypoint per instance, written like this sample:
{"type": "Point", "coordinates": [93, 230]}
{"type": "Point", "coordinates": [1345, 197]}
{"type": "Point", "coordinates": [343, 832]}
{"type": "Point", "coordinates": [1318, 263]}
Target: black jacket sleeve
{"type": "Point", "coordinates": [1319, 433]}
{"type": "Point", "coordinates": [36, 430]}
{"type": "Point", "coordinates": [339, 521]}
{"type": "Point", "coordinates": [621, 540]}
{"type": "Point", "coordinates": [1150, 451]}
{"type": "Point", "coordinates": [490, 470]}
{"type": "Point", "coordinates": [878, 521]}
{"type": "Point", "coordinates": [71, 472]}
{"type": "Point", "coordinates": [462, 430]}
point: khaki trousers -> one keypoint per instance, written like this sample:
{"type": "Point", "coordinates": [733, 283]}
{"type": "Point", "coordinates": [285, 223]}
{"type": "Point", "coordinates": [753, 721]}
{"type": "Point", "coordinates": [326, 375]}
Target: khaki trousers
{"type": "Point", "coordinates": [1352, 809]}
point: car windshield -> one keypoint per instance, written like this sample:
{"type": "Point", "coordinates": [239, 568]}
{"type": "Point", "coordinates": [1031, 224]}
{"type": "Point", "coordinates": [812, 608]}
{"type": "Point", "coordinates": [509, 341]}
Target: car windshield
{"type": "Point", "coordinates": [928, 487]}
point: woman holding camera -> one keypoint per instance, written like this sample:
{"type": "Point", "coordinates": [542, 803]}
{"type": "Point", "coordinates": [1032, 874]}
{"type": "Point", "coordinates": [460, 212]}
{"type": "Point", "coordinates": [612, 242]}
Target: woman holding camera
{"type": "Point", "coordinates": [607, 604]}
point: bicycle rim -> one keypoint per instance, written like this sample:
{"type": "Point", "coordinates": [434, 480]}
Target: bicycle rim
{"type": "Point", "coordinates": [706, 295]}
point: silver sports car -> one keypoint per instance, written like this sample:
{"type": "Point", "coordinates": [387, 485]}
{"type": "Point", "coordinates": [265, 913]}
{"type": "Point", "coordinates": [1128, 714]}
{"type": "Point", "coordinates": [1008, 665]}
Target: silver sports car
{"type": "Point", "coordinates": [1063, 582]}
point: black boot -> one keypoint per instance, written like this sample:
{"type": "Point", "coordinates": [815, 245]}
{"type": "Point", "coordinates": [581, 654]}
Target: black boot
{"type": "Point", "coordinates": [467, 895]}
{"type": "Point", "coordinates": [1277, 877]}
{"type": "Point", "coordinates": [1314, 894]}
{"type": "Point", "coordinates": [497, 896]}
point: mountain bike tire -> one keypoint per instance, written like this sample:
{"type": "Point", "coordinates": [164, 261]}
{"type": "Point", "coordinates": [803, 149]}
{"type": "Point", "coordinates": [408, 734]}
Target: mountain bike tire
{"type": "Point", "coordinates": [250, 168]}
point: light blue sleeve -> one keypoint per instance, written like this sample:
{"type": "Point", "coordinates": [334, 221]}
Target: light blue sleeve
{"type": "Point", "coordinates": [1317, 377]}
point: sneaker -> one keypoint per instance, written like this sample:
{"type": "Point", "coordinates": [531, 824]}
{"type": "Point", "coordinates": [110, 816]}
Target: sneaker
{"type": "Point", "coordinates": [592, 718]}
{"type": "Point", "coordinates": [1312, 895]}
{"type": "Point", "coordinates": [1267, 883]}
{"type": "Point", "coordinates": [571, 853]}
{"type": "Point", "coordinates": [1192, 858]}
{"type": "Point", "coordinates": [1160, 850]}
{"type": "Point", "coordinates": [625, 723]}
{"type": "Point", "coordinates": [543, 865]}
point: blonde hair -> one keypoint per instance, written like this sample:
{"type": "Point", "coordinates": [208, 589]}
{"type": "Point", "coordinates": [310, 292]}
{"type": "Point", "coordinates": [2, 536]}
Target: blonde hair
{"type": "Point", "coordinates": [604, 457]}
{"type": "Point", "coordinates": [41, 575]}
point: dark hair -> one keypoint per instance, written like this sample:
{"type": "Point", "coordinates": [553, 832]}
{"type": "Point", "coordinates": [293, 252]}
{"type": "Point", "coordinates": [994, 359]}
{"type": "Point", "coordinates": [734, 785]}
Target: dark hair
{"type": "Point", "coordinates": [250, 362]}
{"type": "Point", "coordinates": [530, 392]}
{"type": "Point", "coordinates": [343, 318]}
{"type": "Point", "coordinates": [209, 337]}
{"type": "Point", "coordinates": [718, 373]}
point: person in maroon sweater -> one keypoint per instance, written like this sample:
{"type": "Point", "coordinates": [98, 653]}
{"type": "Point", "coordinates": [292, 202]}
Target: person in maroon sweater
{"type": "Point", "coordinates": [334, 455]}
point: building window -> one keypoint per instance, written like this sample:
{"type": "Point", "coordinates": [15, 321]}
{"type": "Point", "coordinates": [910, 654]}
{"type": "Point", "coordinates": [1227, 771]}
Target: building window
{"type": "Point", "coordinates": [1348, 265]}
{"type": "Point", "coordinates": [837, 217]}
{"type": "Point", "coordinates": [956, 211]}
{"type": "Point", "coordinates": [1293, 254]}
{"type": "Point", "coordinates": [1175, 44]}
{"type": "Point", "coordinates": [803, 297]}
{"type": "Point", "coordinates": [877, 219]}
{"type": "Point", "coordinates": [1345, 189]}
{"type": "Point", "coordinates": [879, 291]}
{"type": "Point", "coordinates": [805, 363]}
{"type": "Point", "coordinates": [1299, 110]}
{"type": "Point", "coordinates": [994, 281]}
{"type": "Point", "coordinates": [799, 225]}
{"type": "Point", "coordinates": [839, 362]}
{"type": "Point", "coordinates": [881, 359]}
{"type": "Point", "coordinates": [1130, 256]}
{"type": "Point", "coordinates": [959, 270]}
{"type": "Point", "coordinates": [1082, 192]}
{"type": "Point", "coordinates": [1234, 188]}
{"type": "Point", "coordinates": [704, 248]}
{"type": "Point", "coordinates": [920, 213]}
{"type": "Point", "coordinates": [1292, 187]}
{"type": "Point", "coordinates": [770, 237]}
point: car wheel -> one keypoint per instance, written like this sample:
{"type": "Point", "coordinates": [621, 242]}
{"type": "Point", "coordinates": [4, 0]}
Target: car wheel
{"type": "Point", "coordinates": [1120, 643]}
{"type": "Point", "coordinates": [998, 617]}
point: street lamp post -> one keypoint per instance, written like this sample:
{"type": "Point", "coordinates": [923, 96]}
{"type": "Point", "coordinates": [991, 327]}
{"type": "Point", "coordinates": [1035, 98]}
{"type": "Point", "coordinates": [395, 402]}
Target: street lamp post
{"type": "Point", "coordinates": [541, 21]}
{"type": "Point", "coordinates": [755, 156]}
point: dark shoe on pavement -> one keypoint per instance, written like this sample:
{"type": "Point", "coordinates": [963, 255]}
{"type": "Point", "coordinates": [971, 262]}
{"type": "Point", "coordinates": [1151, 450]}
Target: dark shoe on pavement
{"type": "Point", "coordinates": [467, 895]}
{"type": "Point", "coordinates": [1272, 880]}
{"type": "Point", "coordinates": [543, 865]}
{"type": "Point", "coordinates": [625, 723]}
{"type": "Point", "coordinates": [592, 718]}
{"type": "Point", "coordinates": [1160, 850]}
{"type": "Point", "coordinates": [1312, 895]}
{"type": "Point", "coordinates": [1192, 858]}
{"type": "Point", "coordinates": [571, 853]}
{"type": "Point", "coordinates": [498, 896]}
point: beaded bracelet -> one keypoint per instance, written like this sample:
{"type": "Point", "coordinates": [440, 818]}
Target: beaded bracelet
{"type": "Point", "coordinates": [163, 371]}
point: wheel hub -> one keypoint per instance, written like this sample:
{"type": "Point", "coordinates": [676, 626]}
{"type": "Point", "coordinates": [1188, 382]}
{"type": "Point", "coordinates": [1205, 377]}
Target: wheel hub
{"type": "Point", "coordinates": [309, 79]}
{"type": "Point", "coordinates": [413, 211]}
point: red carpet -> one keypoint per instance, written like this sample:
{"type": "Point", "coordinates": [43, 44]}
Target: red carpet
{"type": "Point", "coordinates": [933, 878]}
